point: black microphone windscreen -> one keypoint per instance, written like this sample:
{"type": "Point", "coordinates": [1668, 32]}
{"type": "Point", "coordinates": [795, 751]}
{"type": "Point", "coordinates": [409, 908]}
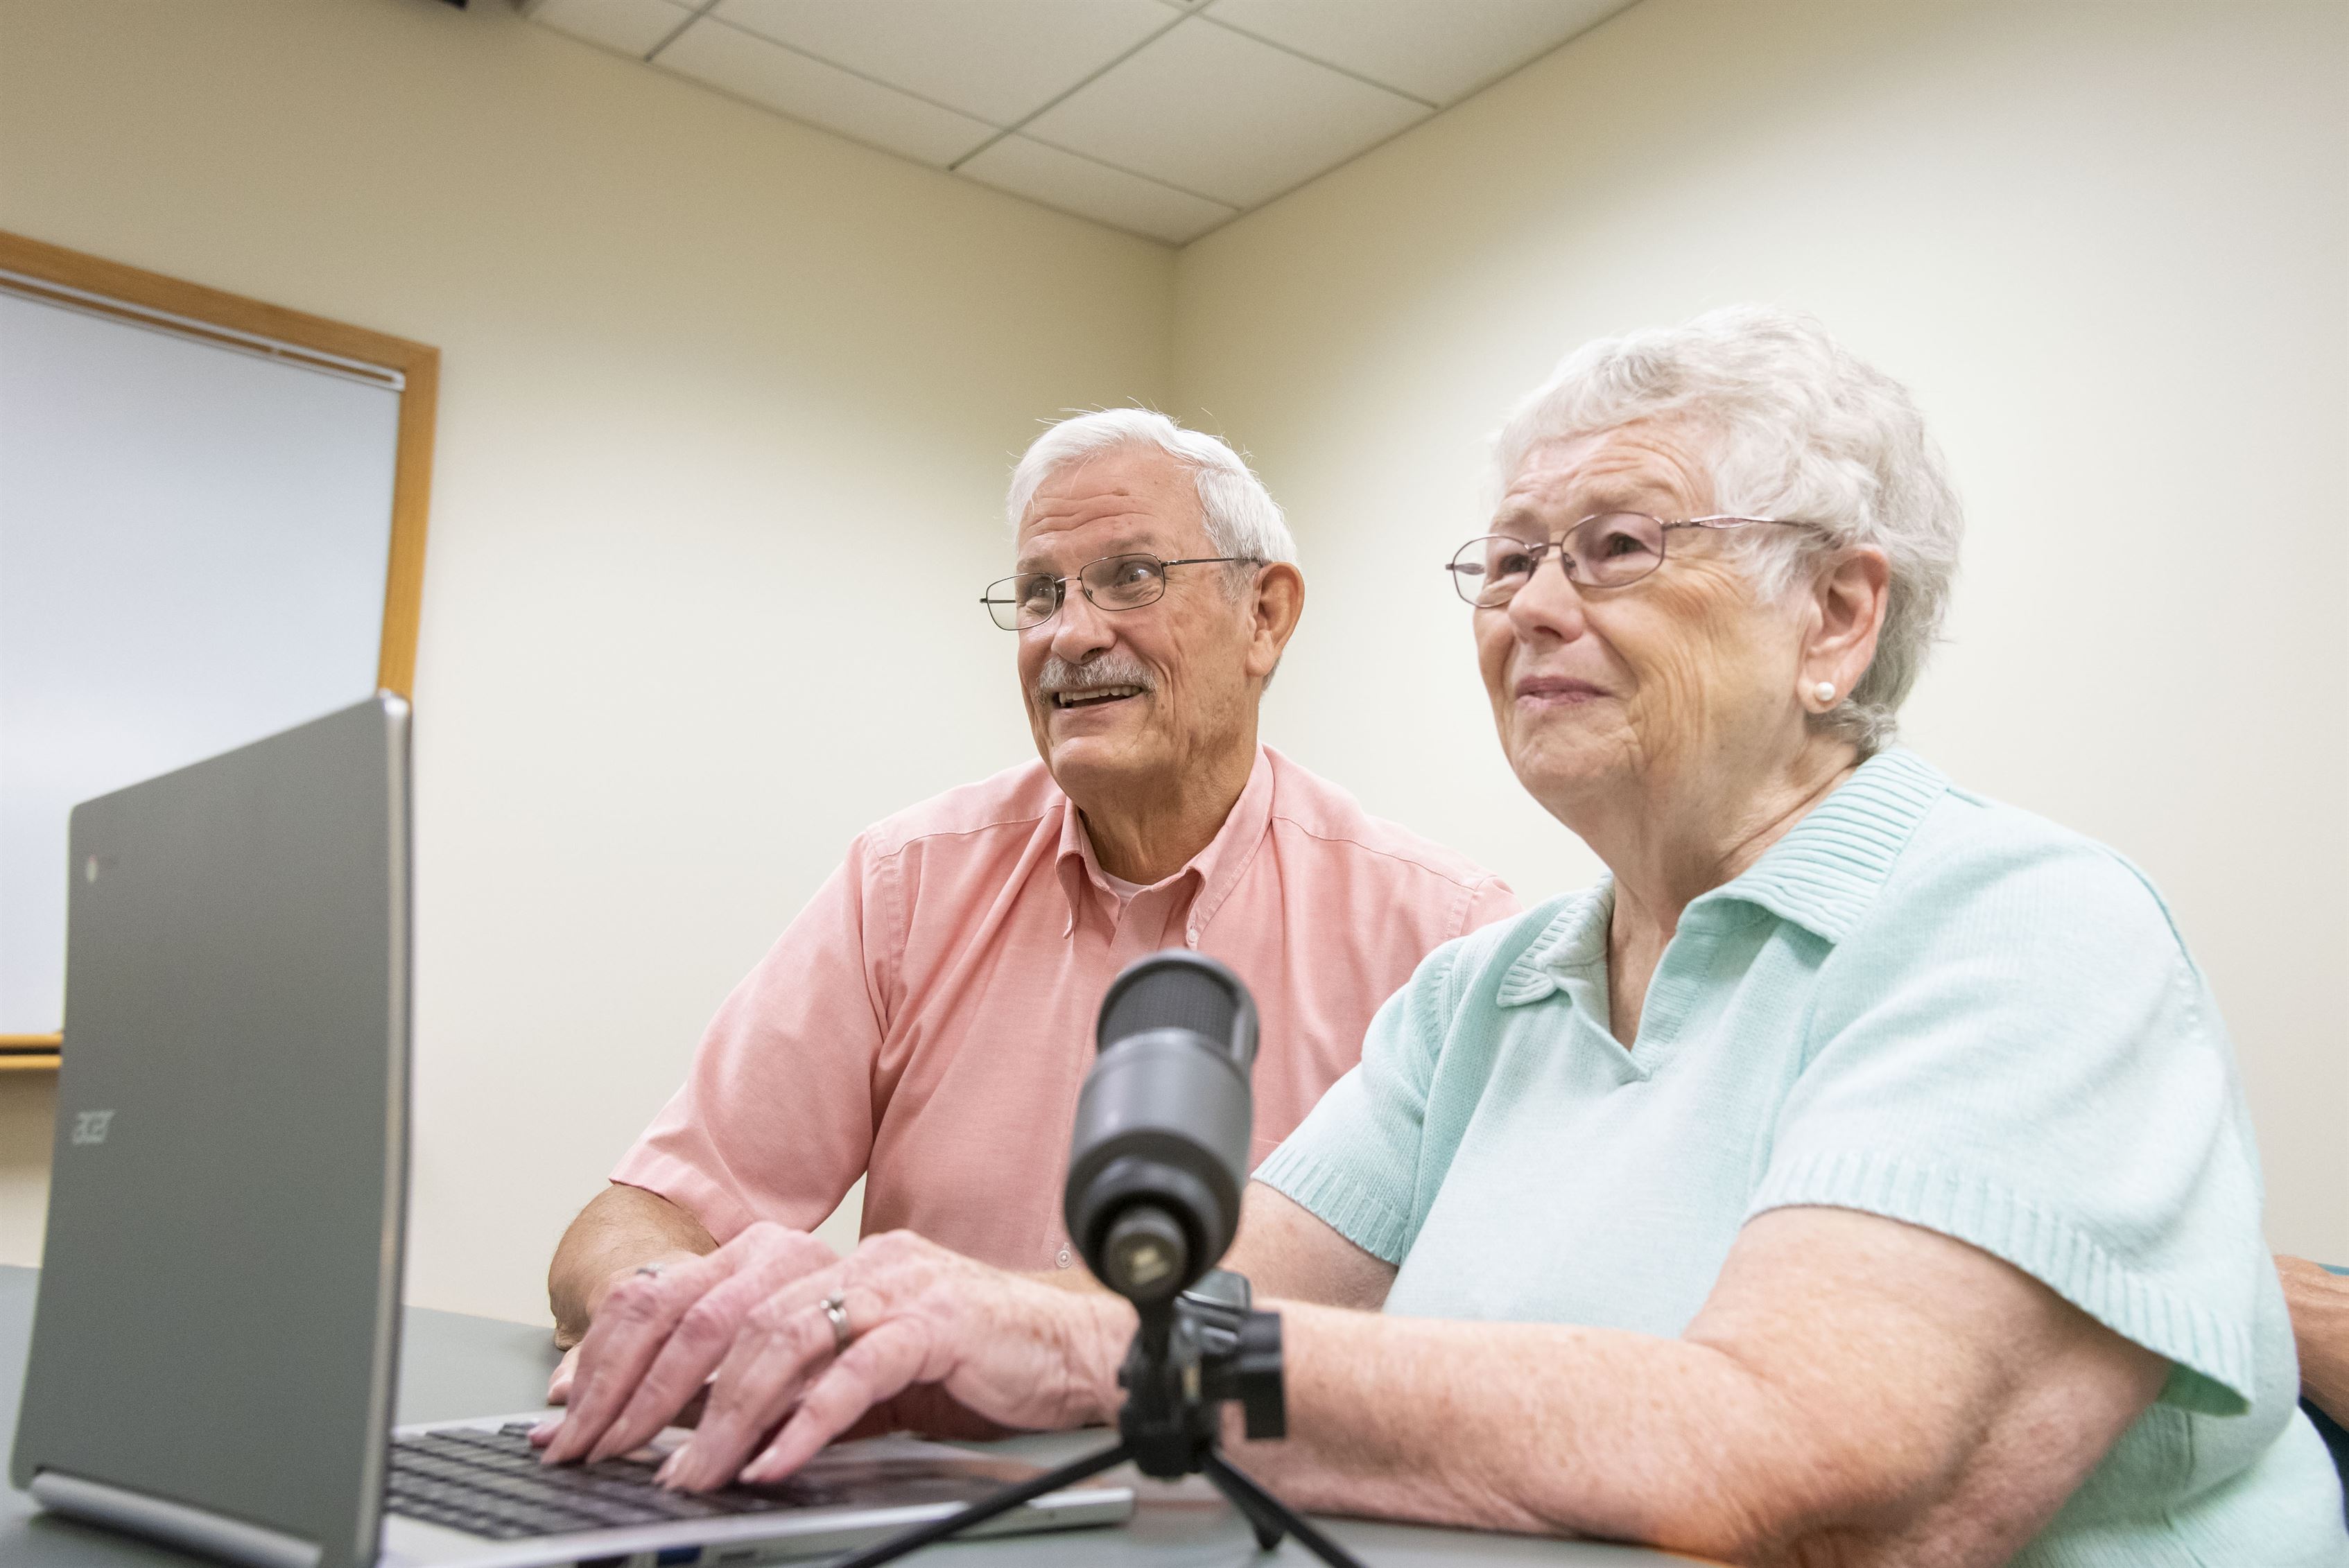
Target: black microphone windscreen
{"type": "Point", "coordinates": [1172, 996]}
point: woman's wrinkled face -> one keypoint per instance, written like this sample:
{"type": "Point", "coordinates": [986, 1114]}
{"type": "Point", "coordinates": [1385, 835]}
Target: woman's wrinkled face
{"type": "Point", "coordinates": [1600, 690]}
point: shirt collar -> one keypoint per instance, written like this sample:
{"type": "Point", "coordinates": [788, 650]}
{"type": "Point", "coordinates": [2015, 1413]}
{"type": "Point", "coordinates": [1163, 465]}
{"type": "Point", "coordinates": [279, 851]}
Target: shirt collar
{"type": "Point", "coordinates": [1822, 876]}
{"type": "Point", "coordinates": [1212, 873]}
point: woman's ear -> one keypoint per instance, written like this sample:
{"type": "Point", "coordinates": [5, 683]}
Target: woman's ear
{"type": "Point", "coordinates": [1850, 598]}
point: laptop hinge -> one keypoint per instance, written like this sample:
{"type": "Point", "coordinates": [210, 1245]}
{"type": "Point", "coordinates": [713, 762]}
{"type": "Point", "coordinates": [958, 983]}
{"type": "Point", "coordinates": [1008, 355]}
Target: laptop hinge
{"type": "Point", "coordinates": [174, 1523]}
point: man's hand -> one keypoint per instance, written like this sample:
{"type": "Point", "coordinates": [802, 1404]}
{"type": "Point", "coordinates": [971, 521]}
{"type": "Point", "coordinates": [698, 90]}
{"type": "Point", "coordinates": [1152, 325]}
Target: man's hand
{"type": "Point", "coordinates": [2318, 1301]}
{"type": "Point", "coordinates": [658, 1335]}
{"type": "Point", "coordinates": [558, 1387]}
{"type": "Point", "coordinates": [625, 1229]}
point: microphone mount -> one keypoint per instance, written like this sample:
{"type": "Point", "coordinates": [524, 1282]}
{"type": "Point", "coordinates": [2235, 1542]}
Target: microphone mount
{"type": "Point", "coordinates": [1190, 1357]}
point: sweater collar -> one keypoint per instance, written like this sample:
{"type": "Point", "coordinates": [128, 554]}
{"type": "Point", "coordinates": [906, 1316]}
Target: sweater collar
{"type": "Point", "coordinates": [1821, 875]}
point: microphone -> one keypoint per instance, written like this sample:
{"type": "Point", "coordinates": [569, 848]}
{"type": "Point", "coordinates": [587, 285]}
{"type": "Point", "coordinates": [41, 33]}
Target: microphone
{"type": "Point", "coordinates": [1159, 1155]}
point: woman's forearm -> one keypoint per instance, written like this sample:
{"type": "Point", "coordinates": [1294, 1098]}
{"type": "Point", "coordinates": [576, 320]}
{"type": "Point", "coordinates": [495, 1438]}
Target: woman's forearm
{"type": "Point", "coordinates": [1532, 1427]}
{"type": "Point", "coordinates": [1850, 1379]}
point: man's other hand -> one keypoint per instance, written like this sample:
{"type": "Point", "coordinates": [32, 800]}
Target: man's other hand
{"type": "Point", "coordinates": [625, 1229]}
{"type": "Point", "coordinates": [660, 1332]}
{"type": "Point", "coordinates": [2318, 1301]}
{"type": "Point", "coordinates": [558, 1388]}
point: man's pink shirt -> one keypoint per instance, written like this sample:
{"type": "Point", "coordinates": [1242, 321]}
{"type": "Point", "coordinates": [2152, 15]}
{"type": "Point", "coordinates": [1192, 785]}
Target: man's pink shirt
{"type": "Point", "coordinates": [928, 1019]}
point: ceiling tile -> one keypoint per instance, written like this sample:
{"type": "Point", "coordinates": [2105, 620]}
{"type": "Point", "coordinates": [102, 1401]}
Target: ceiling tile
{"type": "Point", "coordinates": [1000, 60]}
{"type": "Point", "coordinates": [1094, 190]}
{"type": "Point", "coordinates": [1439, 50]}
{"type": "Point", "coordinates": [1222, 115]}
{"type": "Point", "coordinates": [631, 27]}
{"type": "Point", "coordinates": [766, 72]}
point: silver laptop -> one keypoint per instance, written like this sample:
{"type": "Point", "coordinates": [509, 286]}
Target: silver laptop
{"type": "Point", "coordinates": [215, 1340]}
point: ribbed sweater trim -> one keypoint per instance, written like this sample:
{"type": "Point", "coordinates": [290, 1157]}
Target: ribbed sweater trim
{"type": "Point", "coordinates": [2013, 1227]}
{"type": "Point", "coordinates": [1339, 1201]}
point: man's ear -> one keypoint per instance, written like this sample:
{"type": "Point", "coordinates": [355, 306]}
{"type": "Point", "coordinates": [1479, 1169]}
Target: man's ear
{"type": "Point", "coordinates": [1848, 602]}
{"type": "Point", "coordinates": [1276, 602]}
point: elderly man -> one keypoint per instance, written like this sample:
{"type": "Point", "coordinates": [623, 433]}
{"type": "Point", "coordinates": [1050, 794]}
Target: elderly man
{"type": "Point", "coordinates": [927, 1021]}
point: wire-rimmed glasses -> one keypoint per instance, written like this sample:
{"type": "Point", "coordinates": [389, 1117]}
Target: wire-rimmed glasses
{"type": "Point", "coordinates": [1605, 550]}
{"type": "Point", "coordinates": [1113, 582]}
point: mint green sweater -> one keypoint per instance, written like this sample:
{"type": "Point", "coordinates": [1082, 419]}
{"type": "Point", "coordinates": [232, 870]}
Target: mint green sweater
{"type": "Point", "coordinates": [1918, 1004]}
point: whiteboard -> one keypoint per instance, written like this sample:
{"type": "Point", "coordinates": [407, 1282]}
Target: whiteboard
{"type": "Point", "coordinates": [194, 544]}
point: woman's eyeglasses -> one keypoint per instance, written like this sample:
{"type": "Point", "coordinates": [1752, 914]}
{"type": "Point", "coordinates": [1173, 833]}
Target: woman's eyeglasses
{"type": "Point", "coordinates": [1605, 550]}
{"type": "Point", "coordinates": [1113, 582]}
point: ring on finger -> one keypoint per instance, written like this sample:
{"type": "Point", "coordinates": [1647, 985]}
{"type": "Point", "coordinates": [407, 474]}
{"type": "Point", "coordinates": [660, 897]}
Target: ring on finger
{"type": "Point", "coordinates": [835, 1312]}
{"type": "Point", "coordinates": [654, 1269]}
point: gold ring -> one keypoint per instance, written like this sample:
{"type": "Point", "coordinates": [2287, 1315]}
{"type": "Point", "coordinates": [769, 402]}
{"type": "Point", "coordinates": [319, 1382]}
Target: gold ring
{"type": "Point", "coordinates": [836, 1311]}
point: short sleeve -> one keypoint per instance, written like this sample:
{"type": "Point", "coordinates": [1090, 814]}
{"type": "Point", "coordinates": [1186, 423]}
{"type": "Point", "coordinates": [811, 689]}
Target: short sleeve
{"type": "Point", "coordinates": [1355, 1161]}
{"type": "Point", "coordinates": [2014, 1050]}
{"type": "Point", "coordinates": [775, 1119]}
{"type": "Point", "coordinates": [1493, 900]}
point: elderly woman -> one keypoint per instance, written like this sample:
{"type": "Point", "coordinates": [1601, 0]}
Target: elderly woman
{"type": "Point", "coordinates": [1857, 1174]}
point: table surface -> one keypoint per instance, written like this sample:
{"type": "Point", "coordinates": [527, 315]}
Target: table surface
{"type": "Point", "coordinates": [452, 1367]}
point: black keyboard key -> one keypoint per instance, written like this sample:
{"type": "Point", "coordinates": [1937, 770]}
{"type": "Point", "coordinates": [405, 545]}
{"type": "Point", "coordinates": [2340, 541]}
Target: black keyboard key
{"type": "Point", "coordinates": [490, 1484]}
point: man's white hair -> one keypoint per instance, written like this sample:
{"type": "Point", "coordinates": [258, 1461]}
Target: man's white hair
{"type": "Point", "coordinates": [1242, 518]}
{"type": "Point", "coordinates": [1799, 428]}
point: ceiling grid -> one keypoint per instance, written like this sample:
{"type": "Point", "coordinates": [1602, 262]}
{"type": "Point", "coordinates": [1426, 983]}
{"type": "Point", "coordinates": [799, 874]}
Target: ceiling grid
{"type": "Point", "coordinates": [1163, 118]}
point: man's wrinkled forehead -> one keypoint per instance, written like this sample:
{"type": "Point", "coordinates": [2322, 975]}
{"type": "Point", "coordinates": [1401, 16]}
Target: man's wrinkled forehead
{"type": "Point", "coordinates": [1120, 500]}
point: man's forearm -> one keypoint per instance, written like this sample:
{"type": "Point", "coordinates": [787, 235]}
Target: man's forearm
{"type": "Point", "coordinates": [625, 1228]}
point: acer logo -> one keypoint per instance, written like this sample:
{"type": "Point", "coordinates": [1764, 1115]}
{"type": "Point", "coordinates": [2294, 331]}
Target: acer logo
{"type": "Point", "coordinates": [89, 1126]}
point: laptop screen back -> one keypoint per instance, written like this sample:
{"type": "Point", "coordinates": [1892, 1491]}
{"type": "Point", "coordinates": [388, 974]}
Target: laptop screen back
{"type": "Point", "coordinates": [216, 1318]}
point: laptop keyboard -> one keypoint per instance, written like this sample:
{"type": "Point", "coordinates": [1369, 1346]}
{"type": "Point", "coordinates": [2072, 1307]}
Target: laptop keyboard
{"type": "Point", "coordinates": [490, 1484]}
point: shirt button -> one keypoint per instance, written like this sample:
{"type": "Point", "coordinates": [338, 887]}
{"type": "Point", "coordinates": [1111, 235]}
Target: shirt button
{"type": "Point", "coordinates": [1061, 1258]}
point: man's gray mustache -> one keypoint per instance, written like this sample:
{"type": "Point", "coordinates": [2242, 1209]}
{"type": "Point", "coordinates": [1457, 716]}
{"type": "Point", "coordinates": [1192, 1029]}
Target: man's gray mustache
{"type": "Point", "coordinates": [1101, 670]}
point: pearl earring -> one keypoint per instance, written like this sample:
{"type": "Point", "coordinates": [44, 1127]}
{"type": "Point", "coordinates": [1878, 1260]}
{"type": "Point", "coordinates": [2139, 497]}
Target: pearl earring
{"type": "Point", "coordinates": [1825, 692]}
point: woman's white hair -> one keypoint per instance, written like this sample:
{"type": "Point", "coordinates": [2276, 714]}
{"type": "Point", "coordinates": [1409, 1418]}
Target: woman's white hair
{"type": "Point", "coordinates": [1800, 429]}
{"type": "Point", "coordinates": [1242, 518]}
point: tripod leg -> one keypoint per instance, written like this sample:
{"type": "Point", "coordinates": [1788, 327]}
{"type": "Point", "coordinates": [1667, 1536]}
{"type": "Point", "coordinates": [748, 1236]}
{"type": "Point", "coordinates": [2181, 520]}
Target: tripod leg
{"type": "Point", "coordinates": [1260, 1506]}
{"type": "Point", "coordinates": [890, 1548]}
{"type": "Point", "coordinates": [1267, 1526]}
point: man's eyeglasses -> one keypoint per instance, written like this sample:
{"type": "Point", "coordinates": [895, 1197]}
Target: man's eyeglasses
{"type": "Point", "coordinates": [1113, 582]}
{"type": "Point", "coordinates": [1604, 550]}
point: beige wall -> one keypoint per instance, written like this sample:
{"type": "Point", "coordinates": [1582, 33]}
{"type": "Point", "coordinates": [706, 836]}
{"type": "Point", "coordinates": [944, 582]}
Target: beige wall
{"type": "Point", "coordinates": [28, 1109]}
{"type": "Point", "coordinates": [2105, 244]}
{"type": "Point", "coordinates": [693, 350]}
{"type": "Point", "coordinates": [711, 379]}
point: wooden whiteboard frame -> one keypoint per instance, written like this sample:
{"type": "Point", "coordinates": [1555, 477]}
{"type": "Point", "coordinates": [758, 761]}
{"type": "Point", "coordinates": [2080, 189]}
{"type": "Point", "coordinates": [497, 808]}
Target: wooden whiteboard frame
{"type": "Point", "coordinates": [93, 284]}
